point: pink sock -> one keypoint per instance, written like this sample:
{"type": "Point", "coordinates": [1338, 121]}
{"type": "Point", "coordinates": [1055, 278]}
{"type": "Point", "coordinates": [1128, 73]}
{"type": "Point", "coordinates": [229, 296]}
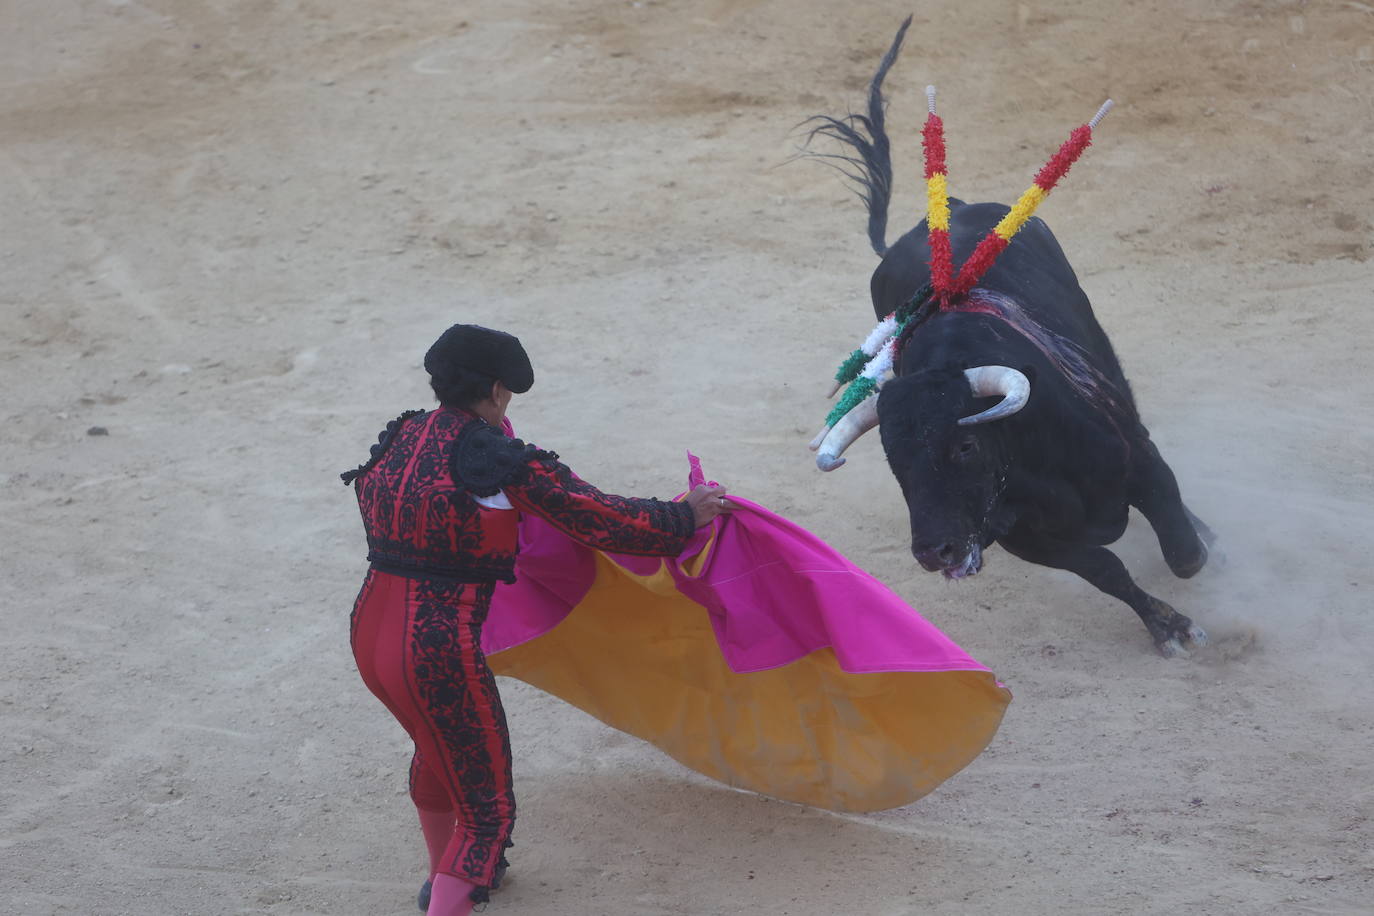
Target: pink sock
{"type": "Point", "coordinates": [437, 827]}
{"type": "Point", "coordinates": [450, 896]}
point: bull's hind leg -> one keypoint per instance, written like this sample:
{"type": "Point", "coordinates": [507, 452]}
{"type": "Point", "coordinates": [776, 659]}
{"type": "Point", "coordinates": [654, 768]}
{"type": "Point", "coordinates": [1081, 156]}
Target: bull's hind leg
{"type": "Point", "coordinates": [1171, 631]}
{"type": "Point", "coordinates": [1154, 491]}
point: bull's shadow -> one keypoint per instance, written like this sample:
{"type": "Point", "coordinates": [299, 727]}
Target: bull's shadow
{"type": "Point", "coordinates": [1008, 418]}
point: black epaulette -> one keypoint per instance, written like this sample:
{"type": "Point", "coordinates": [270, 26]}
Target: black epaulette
{"type": "Point", "coordinates": [384, 440]}
{"type": "Point", "coordinates": [483, 459]}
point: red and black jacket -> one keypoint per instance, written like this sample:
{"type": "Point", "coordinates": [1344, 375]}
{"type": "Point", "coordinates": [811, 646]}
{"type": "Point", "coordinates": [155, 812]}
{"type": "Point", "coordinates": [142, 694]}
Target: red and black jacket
{"type": "Point", "coordinates": [417, 491]}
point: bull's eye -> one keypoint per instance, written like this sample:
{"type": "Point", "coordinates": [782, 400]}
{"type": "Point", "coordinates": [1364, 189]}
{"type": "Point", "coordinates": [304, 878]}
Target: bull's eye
{"type": "Point", "coordinates": [965, 449]}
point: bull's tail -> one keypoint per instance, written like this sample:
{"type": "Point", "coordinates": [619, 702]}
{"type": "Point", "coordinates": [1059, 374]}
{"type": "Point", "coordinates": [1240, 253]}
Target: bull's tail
{"type": "Point", "coordinates": [872, 166]}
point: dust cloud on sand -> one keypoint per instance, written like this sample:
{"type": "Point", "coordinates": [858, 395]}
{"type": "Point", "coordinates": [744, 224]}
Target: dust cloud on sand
{"type": "Point", "coordinates": [231, 228]}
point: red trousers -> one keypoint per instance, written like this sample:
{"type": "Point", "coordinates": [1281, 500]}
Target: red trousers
{"type": "Point", "coordinates": [417, 643]}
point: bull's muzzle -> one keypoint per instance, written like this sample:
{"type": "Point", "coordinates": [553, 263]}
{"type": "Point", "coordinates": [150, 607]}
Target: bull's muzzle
{"type": "Point", "coordinates": [956, 561]}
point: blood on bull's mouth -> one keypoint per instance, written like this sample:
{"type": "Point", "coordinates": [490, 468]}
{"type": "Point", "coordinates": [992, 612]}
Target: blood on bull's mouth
{"type": "Point", "coordinates": [942, 560]}
{"type": "Point", "coordinates": [970, 565]}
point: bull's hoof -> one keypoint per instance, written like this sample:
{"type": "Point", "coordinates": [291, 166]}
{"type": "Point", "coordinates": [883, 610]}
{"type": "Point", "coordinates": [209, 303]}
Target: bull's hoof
{"type": "Point", "coordinates": [1179, 641]}
{"type": "Point", "coordinates": [1173, 648]}
{"type": "Point", "coordinates": [1186, 568]}
{"type": "Point", "coordinates": [1204, 531]}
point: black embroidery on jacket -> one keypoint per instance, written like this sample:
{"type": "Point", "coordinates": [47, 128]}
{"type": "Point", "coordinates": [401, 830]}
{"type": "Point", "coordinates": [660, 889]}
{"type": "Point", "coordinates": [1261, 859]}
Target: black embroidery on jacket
{"type": "Point", "coordinates": [420, 523]}
{"type": "Point", "coordinates": [417, 502]}
{"type": "Point", "coordinates": [384, 440]}
{"type": "Point", "coordinates": [619, 524]}
{"type": "Point", "coordinates": [484, 459]}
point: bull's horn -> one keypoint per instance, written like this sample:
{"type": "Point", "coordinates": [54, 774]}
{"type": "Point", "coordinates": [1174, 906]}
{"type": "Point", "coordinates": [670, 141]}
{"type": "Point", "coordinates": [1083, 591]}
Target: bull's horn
{"type": "Point", "coordinates": [820, 437]}
{"type": "Point", "coordinates": [834, 388]}
{"type": "Point", "coordinates": [853, 425]}
{"type": "Point", "coordinates": [987, 381]}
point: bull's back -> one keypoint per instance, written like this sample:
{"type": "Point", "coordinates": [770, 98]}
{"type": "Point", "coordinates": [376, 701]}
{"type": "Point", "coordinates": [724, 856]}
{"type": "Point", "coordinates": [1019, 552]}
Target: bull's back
{"type": "Point", "coordinates": [1033, 271]}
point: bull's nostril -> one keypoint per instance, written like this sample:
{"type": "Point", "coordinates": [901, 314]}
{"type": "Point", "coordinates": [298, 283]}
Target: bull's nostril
{"type": "Point", "coordinates": [944, 556]}
{"type": "Point", "coordinates": [931, 558]}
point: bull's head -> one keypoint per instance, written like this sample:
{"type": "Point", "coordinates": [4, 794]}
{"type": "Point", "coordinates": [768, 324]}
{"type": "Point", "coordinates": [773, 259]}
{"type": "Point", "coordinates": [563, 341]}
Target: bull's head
{"type": "Point", "coordinates": [949, 458]}
{"type": "Point", "coordinates": [944, 447]}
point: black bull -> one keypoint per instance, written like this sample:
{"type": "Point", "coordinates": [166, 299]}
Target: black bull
{"type": "Point", "coordinates": [1052, 482]}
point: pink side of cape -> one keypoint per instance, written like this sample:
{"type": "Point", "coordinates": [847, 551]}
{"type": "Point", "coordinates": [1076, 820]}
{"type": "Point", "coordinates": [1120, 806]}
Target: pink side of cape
{"type": "Point", "coordinates": [774, 593]}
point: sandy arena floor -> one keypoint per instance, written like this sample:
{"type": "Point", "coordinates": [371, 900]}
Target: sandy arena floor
{"type": "Point", "coordinates": [231, 227]}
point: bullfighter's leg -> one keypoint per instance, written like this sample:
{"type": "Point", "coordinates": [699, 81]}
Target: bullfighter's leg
{"type": "Point", "coordinates": [1171, 631]}
{"type": "Point", "coordinates": [1154, 491]}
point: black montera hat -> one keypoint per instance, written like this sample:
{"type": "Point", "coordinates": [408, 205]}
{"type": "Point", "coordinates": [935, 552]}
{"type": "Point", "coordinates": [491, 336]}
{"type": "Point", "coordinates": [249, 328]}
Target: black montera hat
{"type": "Point", "coordinates": [479, 349]}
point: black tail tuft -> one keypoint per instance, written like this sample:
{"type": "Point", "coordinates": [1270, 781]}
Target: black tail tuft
{"type": "Point", "coordinates": [872, 167]}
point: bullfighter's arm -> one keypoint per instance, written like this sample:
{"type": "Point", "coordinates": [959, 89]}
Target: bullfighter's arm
{"type": "Point", "coordinates": [535, 481]}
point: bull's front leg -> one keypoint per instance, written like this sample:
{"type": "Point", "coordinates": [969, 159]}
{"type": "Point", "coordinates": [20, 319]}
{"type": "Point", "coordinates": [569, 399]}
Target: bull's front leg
{"type": "Point", "coordinates": [1171, 631]}
{"type": "Point", "coordinates": [1183, 539]}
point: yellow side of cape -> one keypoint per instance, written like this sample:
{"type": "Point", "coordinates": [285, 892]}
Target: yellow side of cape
{"type": "Point", "coordinates": [642, 657]}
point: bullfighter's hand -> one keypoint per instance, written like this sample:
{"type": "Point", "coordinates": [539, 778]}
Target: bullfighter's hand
{"type": "Point", "coordinates": [707, 502]}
